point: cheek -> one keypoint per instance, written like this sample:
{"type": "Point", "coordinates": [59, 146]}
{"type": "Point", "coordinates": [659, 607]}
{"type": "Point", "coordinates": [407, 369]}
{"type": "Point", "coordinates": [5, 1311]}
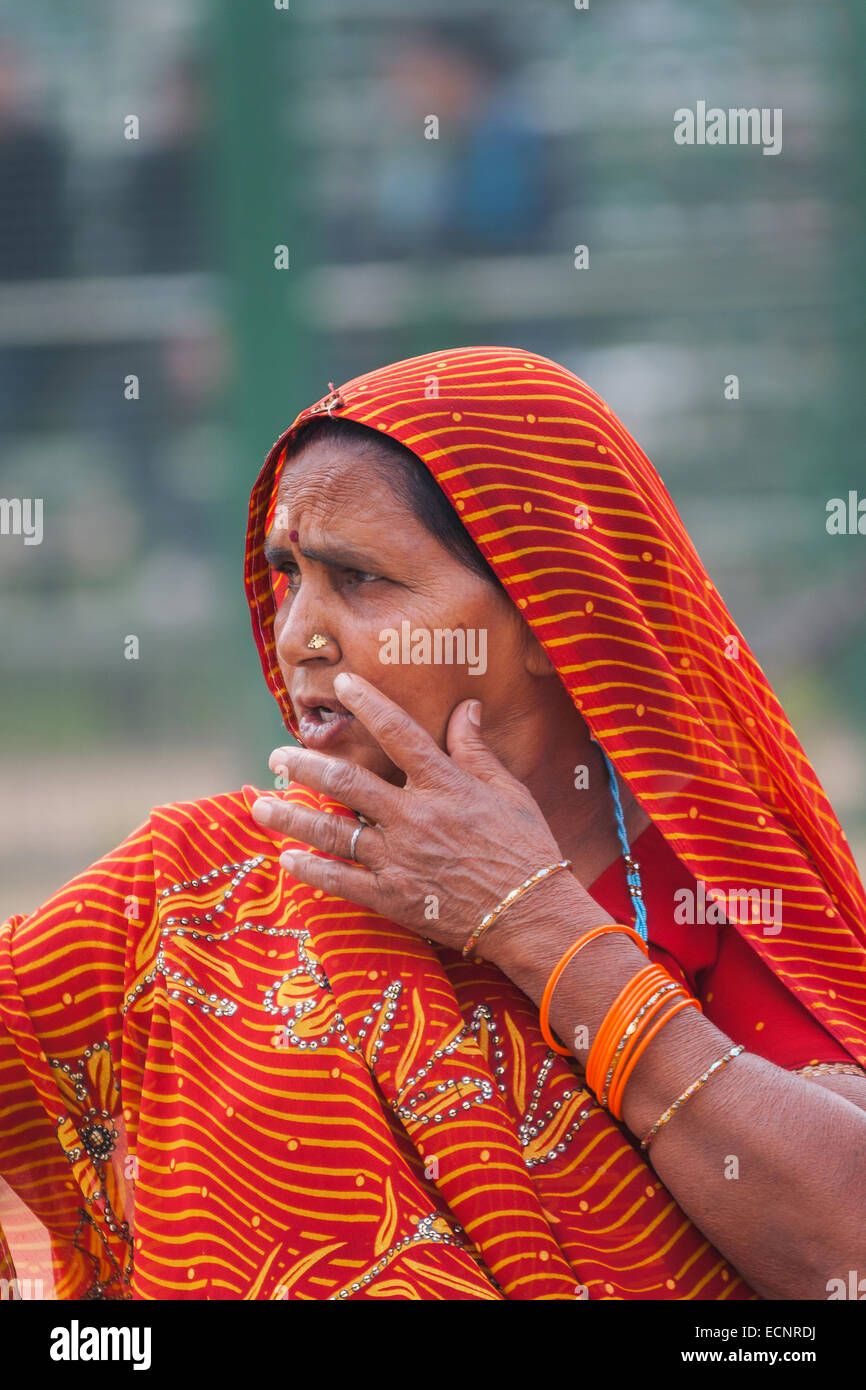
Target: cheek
{"type": "Point", "coordinates": [280, 619]}
{"type": "Point", "coordinates": [427, 693]}
{"type": "Point", "coordinates": [412, 687]}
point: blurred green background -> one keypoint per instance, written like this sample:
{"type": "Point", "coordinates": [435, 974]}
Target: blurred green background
{"type": "Point", "coordinates": [305, 127]}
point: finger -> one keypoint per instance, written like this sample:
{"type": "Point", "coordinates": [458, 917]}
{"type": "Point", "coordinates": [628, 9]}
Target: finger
{"type": "Point", "coordinates": [348, 783]}
{"type": "Point", "coordinates": [329, 833]}
{"type": "Point", "coordinates": [467, 745]}
{"type": "Point", "coordinates": [408, 746]}
{"type": "Point", "coordinates": [338, 880]}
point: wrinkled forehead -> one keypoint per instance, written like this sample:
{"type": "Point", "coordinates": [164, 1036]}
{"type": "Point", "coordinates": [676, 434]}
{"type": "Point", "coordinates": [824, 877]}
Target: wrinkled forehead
{"type": "Point", "coordinates": [325, 487]}
{"type": "Point", "coordinates": [319, 474]}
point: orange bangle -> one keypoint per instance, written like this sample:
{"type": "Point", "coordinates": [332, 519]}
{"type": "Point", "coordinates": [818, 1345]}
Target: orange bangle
{"type": "Point", "coordinates": [560, 966]}
{"type": "Point", "coordinates": [620, 1010]}
{"type": "Point", "coordinates": [645, 1041]}
{"type": "Point", "coordinates": [617, 1019]}
{"type": "Point", "coordinates": [625, 1024]}
{"type": "Point", "coordinates": [622, 1069]}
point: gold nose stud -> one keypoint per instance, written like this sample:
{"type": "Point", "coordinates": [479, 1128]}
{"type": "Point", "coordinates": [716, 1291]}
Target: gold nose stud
{"type": "Point", "coordinates": [317, 641]}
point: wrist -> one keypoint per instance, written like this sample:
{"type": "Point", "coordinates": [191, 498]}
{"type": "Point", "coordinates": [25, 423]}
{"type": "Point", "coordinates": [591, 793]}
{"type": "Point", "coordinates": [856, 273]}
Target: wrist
{"type": "Point", "coordinates": [532, 938]}
{"type": "Point", "coordinates": [527, 949]}
{"type": "Point", "coordinates": [531, 935]}
{"type": "Point", "coordinates": [682, 1051]}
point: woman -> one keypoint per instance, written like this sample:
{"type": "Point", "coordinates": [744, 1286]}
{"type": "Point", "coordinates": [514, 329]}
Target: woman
{"type": "Point", "coordinates": [364, 1037]}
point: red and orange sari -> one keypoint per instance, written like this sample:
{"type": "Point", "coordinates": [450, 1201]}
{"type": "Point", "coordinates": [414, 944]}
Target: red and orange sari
{"type": "Point", "coordinates": [218, 1083]}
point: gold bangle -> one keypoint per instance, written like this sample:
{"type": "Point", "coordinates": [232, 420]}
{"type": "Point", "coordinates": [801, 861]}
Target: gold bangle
{"type": "Point", "coordinates": [510, 898]}
{"type": "Point", "coordinates": [830, 1069]}
{"type": "Point", "coordinates": [690, 1091]}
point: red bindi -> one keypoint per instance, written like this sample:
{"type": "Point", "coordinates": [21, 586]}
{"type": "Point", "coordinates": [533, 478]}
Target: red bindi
{"type": "Point", "coordinates": [293, 535]}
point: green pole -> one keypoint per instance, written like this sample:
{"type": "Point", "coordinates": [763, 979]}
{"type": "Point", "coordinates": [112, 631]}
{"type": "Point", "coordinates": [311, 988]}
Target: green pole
{"type": "Point", "coordinates": [255, 50]}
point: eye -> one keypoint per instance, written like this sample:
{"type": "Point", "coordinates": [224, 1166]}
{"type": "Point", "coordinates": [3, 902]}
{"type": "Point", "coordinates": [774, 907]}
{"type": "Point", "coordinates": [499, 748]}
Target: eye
{"type": "Point", "coordinates": [290, 571]}
{"type": "Point", "coordinates": [293, 574]}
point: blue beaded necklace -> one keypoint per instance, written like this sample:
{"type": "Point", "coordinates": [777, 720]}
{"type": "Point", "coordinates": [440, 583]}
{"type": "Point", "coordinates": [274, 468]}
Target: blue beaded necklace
{"type": "Point", "coordinates": [632, 876]}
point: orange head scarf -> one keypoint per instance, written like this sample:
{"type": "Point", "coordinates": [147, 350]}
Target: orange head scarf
{"type": "Point", "coordinates": [579, 527]}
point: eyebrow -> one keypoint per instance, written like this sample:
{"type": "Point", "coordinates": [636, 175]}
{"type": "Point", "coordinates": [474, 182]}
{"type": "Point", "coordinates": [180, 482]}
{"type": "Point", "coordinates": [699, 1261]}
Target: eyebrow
{"type": "Point", "coordinates": [346, 558]}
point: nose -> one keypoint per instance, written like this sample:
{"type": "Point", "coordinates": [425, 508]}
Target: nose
{"type": "Point", "coordinates": [301, 623]}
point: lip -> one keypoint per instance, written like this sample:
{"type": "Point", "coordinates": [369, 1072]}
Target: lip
{"type": "Point", "coordinates": [312, 702]}
{"type": "Point", "coordinates": [314, 732]}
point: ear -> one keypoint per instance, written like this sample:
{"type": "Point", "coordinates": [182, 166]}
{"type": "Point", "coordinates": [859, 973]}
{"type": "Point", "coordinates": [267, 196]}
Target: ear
{"type": "Point", "coordinates": [536, 660]}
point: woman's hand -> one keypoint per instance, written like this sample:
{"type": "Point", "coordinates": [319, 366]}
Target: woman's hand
{"type": "Point", "coordinates": [444, 849]}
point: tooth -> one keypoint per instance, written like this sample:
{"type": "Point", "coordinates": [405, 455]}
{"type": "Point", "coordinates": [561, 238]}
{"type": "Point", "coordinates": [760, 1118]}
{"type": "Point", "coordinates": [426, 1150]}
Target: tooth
{"type": "Point", "coordinates": [327, 714]}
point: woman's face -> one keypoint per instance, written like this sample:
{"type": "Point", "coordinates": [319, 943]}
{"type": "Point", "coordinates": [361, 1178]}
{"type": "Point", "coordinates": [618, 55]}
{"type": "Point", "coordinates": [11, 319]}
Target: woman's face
{"type": "Point", "coordinates": [358, 564]}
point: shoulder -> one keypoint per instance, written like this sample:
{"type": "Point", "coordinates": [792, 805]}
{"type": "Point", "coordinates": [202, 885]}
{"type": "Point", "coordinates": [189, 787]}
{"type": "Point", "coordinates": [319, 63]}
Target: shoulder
{"type": "Point", "coordinates": [221, 814]}
{"type": "Point", "coordinates": [209, 831]}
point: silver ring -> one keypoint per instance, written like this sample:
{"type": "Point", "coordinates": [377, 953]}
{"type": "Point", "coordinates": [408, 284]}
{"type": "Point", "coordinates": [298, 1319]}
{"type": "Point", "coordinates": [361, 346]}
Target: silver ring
{"type": "Point", "coordinates": [357, 831]}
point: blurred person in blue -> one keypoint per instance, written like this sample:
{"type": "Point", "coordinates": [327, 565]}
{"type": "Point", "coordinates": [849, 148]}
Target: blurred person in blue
{"type": "Point", "coordinates": [481, 184]}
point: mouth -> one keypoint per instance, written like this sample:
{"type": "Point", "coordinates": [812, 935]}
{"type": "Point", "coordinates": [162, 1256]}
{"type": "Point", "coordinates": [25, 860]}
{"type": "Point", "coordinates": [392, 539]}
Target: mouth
{"type": "Point", "coordinates": [322, 720]}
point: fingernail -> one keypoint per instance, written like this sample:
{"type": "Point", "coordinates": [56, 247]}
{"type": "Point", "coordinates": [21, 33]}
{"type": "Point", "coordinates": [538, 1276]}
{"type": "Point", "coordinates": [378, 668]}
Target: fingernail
{"type": "Point", "coordinates": [262, 809]}
{"type": "Point", "coordinates": [474, 712]}
{"type": "Point", "coordinates": [277, 760]}
{"type": "Point", "coordinates": [287, 860]}
{"type": "Point", "coordinates": [344, 684]}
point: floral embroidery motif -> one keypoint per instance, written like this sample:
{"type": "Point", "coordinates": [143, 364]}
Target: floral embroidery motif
{"type": "Point", "coordinates": [98, 1136]}
{"type": "Point", "coordinates": [88, 1137]}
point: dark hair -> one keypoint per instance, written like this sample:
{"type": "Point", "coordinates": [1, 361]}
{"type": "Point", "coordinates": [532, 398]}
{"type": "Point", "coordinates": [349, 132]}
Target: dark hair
{"type": "Point", "coordinates": [410, 479]}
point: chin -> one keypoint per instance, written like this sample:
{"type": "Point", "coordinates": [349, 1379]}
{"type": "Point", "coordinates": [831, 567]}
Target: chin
{"type": "Point", "coordinates": [371, 759]}
{"type": "Point", "coordinates": [386, 770]}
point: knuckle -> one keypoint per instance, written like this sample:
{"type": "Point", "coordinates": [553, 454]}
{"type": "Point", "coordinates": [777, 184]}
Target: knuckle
{"type": "Point", "coordinates": [396, 724]}
{"type": "Point", "coordinates": [330, 836]}
{"type": "Point", "coordinates": [439, 765]}
{"type": "Point", "coordinates": [331, 877]}
{"type": "Point", "coordinates": [341, 779]}
{"type": "Point", "coordinates": [372, 850]}
{"type": "Point", "coordinates": [437, 769]}
{"type": "Point", "coordinates": [280, 816]}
